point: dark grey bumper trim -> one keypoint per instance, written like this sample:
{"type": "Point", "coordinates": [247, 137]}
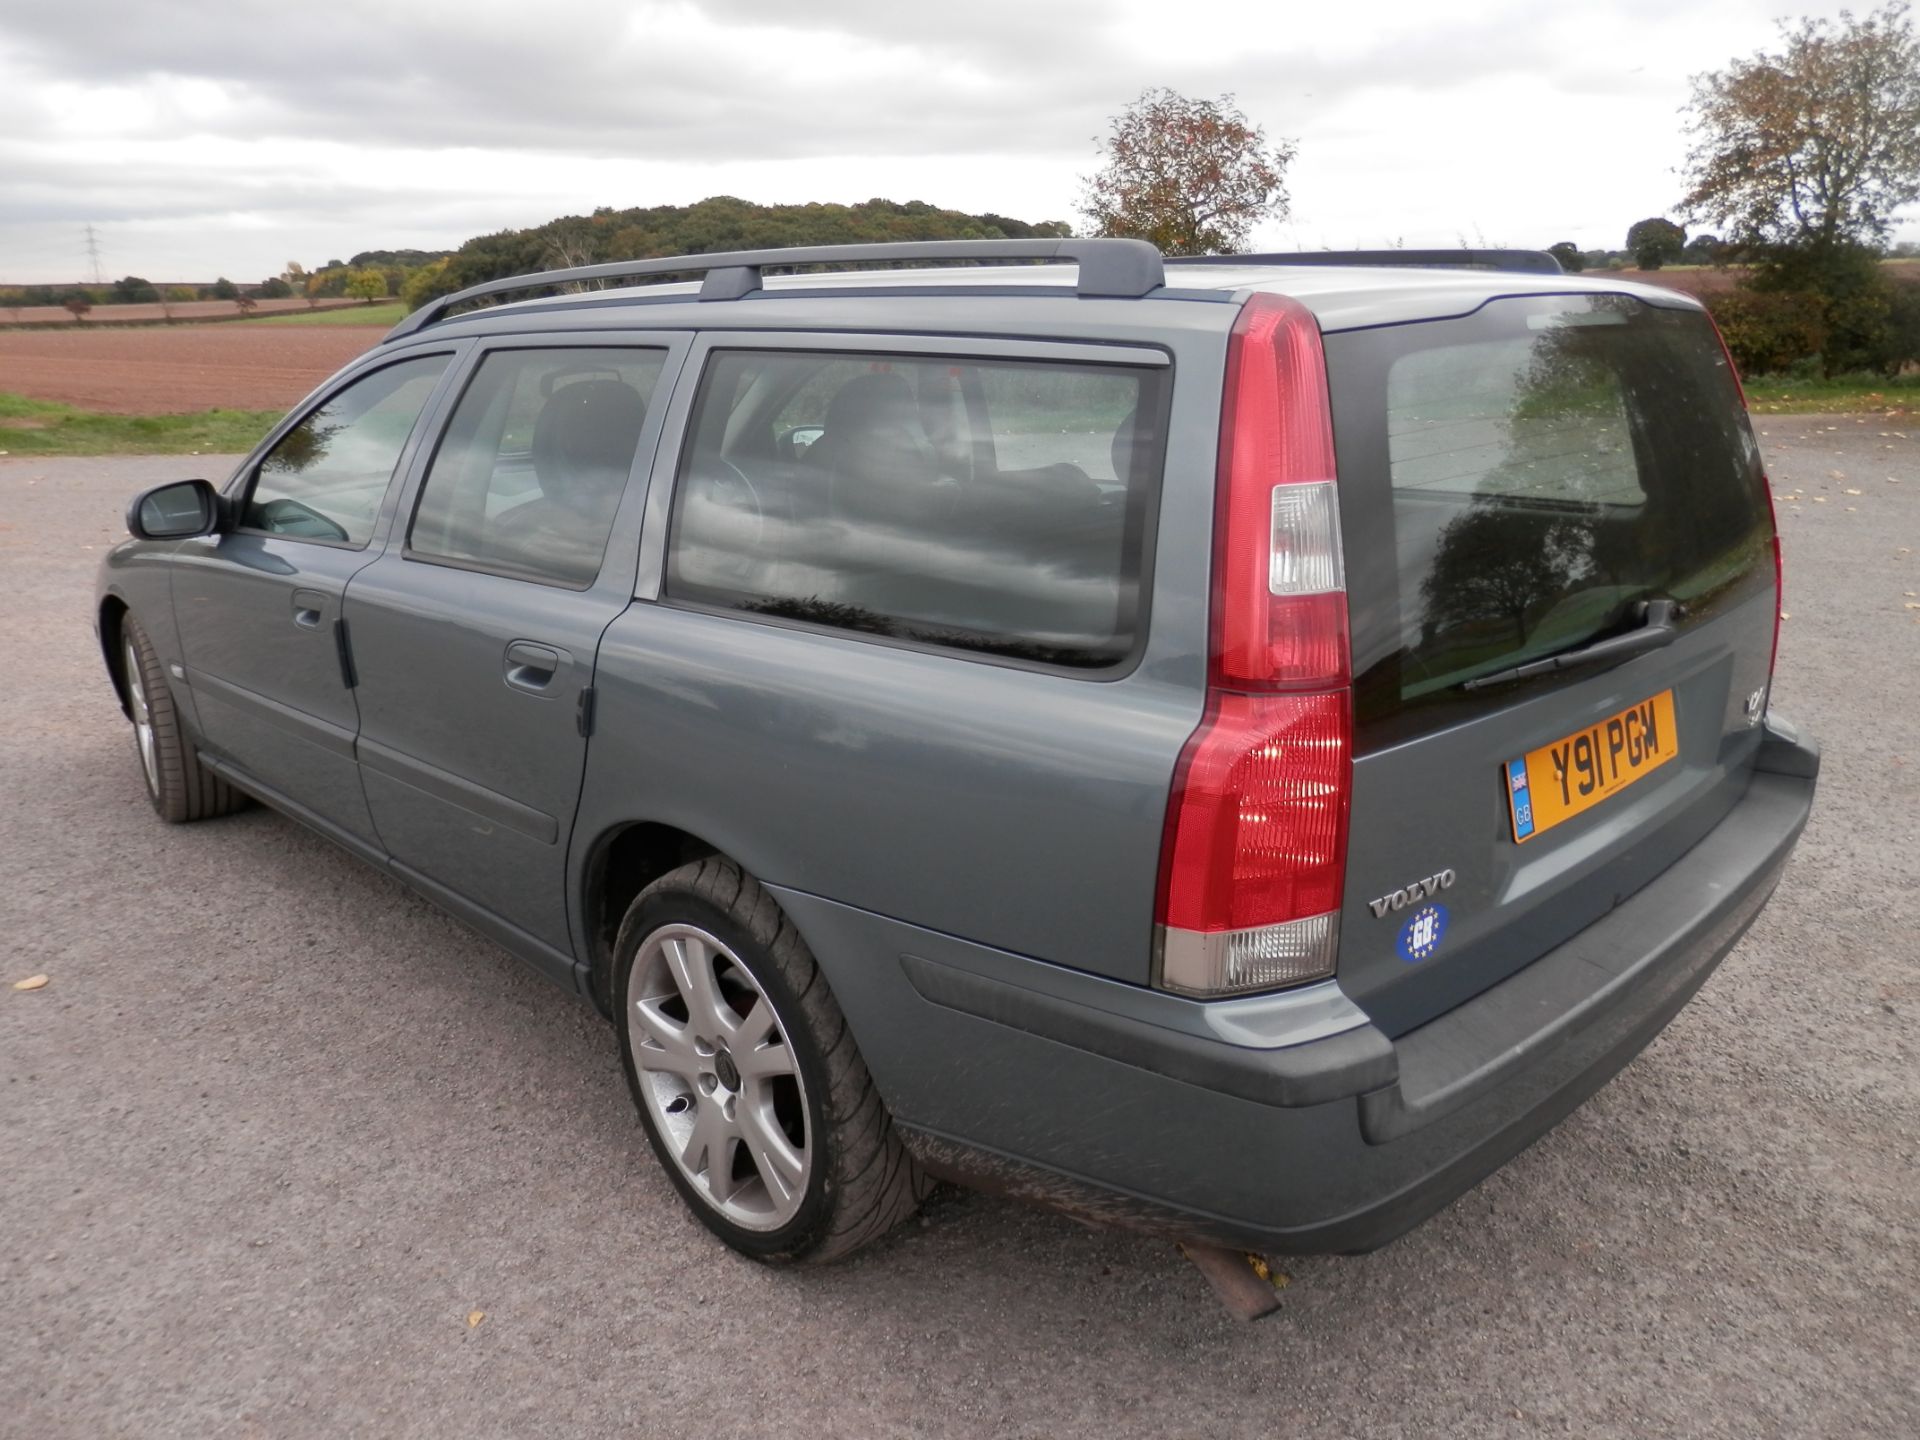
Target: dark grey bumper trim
{"type": "Point", "coordinates": [1332, 1068]}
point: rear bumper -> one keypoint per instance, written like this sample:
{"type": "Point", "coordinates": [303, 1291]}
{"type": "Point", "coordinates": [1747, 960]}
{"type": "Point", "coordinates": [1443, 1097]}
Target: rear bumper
{"type": "Point", "coordinates": [1344, 1141]}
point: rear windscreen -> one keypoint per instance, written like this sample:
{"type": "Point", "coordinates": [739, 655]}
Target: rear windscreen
{"type": "Point", "coordinates": [1514, 482]}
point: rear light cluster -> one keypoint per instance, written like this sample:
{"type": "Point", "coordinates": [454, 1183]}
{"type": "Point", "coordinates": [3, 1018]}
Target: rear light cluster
{"type": "Point", "coordinates": [1773, 517]}
{"type": "Point", "coordinates": [1255, 849]}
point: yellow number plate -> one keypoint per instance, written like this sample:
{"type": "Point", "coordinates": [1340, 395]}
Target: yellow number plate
{"type": "Point", "coordinates": [1558, 781]}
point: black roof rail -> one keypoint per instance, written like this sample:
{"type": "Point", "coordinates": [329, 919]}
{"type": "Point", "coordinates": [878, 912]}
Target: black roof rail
{"type": "Point", "coordinates": [1535, 262]}
{"type": "Point", "coordinates": [1108, 267]}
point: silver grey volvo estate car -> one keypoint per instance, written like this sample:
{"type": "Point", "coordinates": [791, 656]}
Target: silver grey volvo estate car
{"type": "Point", "coordinates": [1236, 747]}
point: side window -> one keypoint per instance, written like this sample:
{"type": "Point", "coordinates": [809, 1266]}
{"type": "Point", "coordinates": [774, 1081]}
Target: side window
{"type": "Point", "coordinates": [995, 507]}
{"type": "Point", "coordinates": [326, 477]}
{"type": "Point", "coordinates": [535, 461]}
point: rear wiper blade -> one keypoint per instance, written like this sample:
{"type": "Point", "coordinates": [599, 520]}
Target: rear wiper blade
{"type": "Point", "coordinates": [1658, 619]}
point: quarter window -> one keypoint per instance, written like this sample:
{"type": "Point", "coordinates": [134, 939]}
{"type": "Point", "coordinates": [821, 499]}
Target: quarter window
{"type": "Point", "coordinates": [535, 461]}
{"type": "Point", "coordinates": [325, 478]}
{"type": "Point", "coordinates": [992, 507]}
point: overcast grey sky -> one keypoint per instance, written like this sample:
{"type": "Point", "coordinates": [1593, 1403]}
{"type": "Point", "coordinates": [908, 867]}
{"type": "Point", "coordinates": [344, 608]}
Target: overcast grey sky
{"type": "Point", "coordinates": [230, 136]}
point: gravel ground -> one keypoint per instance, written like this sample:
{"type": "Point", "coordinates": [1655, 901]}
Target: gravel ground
{"type": "Point", "coordinates": [275, 1130]}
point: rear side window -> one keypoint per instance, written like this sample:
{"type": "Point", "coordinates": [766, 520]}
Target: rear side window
{"type": "Point", "coordinates": [1514, 482]}
{"type": "Point", "coordinates": [993, 507]}
{"type": "Point", "coordinates": [535, 461]}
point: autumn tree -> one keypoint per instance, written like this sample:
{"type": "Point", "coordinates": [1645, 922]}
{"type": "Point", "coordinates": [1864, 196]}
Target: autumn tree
{"type": "Point", "coordinates": [1807, 153]}
{"type": "Point", "coordinates": [1190, 176]}
{"type": "Point", "coordinates": [1655, 242]}
{"type": "Point", "coordinates": [133, 290]}
{"type": "Point", "coordinates": [78, 304]}
{"type": "Point", "coordinates": [1816, 143]}
{"type": "Point", "coordinates": [368, 285]}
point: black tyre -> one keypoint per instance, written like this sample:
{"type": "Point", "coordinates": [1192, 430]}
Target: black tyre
{"type": "Point", "coordinates": [180, 787]}
{"type": "Point", "coordinates": [746, 1077]}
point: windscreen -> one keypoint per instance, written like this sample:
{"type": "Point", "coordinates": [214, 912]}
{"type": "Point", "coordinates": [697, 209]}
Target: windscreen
{"type": "Point", "coordinates": [1515, 482]}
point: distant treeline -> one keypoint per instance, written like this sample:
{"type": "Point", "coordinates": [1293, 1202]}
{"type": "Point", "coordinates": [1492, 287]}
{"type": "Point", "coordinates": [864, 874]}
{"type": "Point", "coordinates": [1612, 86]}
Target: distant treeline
{"type": "Point", "coordinates": [369, 275]}
{"type": "Point", "coordinates": [719, 223]}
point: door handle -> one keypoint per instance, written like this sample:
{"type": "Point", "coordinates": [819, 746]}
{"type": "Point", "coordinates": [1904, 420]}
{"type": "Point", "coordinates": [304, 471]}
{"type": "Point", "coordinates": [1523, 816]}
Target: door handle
{"type": "Point", "coordinates": [309, 609]}
{"type": "Point", "coordinates": [534, 668]}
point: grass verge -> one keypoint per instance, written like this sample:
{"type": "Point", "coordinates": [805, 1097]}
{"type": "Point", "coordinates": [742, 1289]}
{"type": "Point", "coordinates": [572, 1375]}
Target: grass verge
{"type": "Point", "coordinates": [45, 427]}
{"type": "Point", "coordinates": [382, 315]}
{"type": "Point", "coordinates": [1842, 395]}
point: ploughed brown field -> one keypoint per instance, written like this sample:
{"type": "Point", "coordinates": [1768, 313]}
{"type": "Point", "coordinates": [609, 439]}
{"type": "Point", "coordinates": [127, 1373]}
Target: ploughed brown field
{"type": "Point", "coordinates": [180, 368]}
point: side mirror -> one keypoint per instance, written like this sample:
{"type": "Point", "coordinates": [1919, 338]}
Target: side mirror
{"type": "Point", "coordinates": [174, 511]}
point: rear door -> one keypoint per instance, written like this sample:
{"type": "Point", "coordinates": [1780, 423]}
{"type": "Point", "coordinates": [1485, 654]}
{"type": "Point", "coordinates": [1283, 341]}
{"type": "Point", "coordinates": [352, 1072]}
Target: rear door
{"type": "Point", "coordinates": [474, 634]}
{"type": "Point", "coordinates": [1516, 484]}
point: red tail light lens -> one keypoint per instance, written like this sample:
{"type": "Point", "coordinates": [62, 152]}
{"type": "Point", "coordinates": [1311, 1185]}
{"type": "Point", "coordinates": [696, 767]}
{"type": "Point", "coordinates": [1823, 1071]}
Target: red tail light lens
{"type": "Point", "coordinates": [1256, 844]}
{"type": "Point", "coordinates": [1779, 586]}
{"type": "Point", "coordinates": [1279, 590]}
{"type": "Point", "coordinates": [1255, 852]}
{"type": "Point", "coordinates": [1773, 515]}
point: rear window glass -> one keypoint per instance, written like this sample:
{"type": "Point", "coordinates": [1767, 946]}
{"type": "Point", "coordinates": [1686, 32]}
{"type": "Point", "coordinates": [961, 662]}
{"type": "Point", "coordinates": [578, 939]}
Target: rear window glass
{"type": "Point", "coordinates": [998, 507]}
{"type": "Point", "coordinates": [1533, 472]}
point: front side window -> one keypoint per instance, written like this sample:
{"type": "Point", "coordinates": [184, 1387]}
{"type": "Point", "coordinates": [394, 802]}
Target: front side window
{"type": "Point", "coordinates": [996, 507]}
{"type": "Point", "coordinates": [325, 478]}
{"type": "Point", "coordinates": [535, 461]}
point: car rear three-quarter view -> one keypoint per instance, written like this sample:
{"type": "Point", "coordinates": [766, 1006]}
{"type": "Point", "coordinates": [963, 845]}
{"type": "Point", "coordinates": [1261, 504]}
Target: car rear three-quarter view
{"type": "Point", "coordinates": [1237, 748]}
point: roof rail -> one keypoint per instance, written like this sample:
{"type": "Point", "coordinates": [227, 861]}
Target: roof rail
{"type": "Point", "coordinates": [1108, 267]}
{"type": "Point", "coordinates": [1536, 262]}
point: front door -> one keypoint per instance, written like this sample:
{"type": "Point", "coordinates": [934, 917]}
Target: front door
{"type": "Point", "coordinates": [474, 635]}
{"type": "Point", "coordinates": [259, 607]}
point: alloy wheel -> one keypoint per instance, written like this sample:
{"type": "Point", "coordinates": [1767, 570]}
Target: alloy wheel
{"type": "Point", "coordinates": [719, 1081]}
{"type": "Point", "coordinates": [142, 720]}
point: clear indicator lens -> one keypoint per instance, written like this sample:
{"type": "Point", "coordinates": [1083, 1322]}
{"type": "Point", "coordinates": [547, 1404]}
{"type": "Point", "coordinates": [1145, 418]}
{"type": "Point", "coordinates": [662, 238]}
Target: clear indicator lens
{"type": "Point", "coordinates": [1305, 554]}
{"type": "Point", "coordinates": [1231, 962]}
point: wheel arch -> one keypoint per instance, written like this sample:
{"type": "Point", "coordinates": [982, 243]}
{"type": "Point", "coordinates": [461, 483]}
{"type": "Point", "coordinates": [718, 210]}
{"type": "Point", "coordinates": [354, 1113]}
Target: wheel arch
{"type": "Point", "coordinates": [622, 861]}
{"type": "Point", "coordinates": [113, 612]}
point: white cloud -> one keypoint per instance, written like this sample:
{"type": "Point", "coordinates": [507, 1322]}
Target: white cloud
{"type": "Point", "coordinates": [231, 137]}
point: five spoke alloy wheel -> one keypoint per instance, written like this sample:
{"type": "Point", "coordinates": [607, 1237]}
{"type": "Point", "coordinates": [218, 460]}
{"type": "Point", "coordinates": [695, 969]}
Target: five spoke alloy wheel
{"type": "Point", "coordinates": [142, 719]}
{"type": "Point", "coordinates": [718, 1079]}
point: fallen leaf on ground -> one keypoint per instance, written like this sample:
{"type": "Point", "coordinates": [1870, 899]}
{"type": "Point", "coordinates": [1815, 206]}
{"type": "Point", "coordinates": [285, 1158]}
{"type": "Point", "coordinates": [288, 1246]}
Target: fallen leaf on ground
{"type": "Point", "coordinates": [1279, 1279]}
{"type": "Point", "coordinates": [474, 1317]}
{"type": "Point", "coordinates": [34, 982]}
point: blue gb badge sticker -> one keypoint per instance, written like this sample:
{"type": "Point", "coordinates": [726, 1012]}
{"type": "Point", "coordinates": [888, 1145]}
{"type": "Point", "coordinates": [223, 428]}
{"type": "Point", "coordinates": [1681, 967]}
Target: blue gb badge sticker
{"type": "Point", "coordinates": [1421, 935]}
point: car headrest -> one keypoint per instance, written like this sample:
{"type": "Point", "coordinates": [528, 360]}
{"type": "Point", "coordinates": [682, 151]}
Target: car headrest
{"type": "Point", "coordinates": [585, 439]}
{"type": "Point", "coordinates": [876, 443]}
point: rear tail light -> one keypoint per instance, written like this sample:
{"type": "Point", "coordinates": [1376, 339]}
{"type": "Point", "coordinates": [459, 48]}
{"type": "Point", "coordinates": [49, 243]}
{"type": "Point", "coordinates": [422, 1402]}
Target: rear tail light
{"type": "Point", "coordinates": [1773, 516]}
{"type": "Point", "coordinates": [1254, 854]}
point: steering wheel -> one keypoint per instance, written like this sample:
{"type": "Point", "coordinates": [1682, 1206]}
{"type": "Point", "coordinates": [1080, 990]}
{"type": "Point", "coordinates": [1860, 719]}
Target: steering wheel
{"type": "Point", "coordinates": [286, 516]}
{"type": "Point", "coordinates": [730, 486]}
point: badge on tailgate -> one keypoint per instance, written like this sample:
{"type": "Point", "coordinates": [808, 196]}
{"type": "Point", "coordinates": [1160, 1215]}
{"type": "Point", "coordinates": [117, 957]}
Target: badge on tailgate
{"type": "Point", "coordinates": [1578, 771]}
